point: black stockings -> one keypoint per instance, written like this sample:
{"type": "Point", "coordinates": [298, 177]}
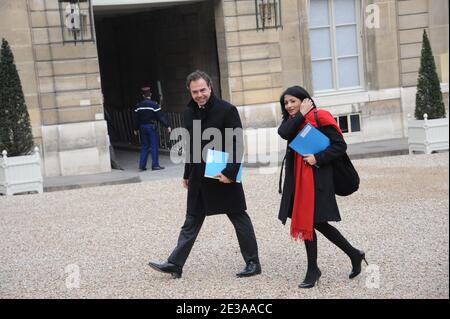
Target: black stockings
{"type": "Point", "coordinates": [333, 235]}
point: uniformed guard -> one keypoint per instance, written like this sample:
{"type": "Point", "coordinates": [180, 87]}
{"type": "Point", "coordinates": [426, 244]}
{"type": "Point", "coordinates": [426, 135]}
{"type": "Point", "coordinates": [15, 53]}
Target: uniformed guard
{"type": "Point", "coordinates": [145, 117]}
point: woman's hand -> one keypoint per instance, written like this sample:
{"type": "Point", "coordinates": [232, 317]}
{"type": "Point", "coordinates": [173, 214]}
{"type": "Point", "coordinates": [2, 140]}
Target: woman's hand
{"type": "Point", "coordinates": [306, 106]}
{"type": "Point", "coordinates": [310, 159]}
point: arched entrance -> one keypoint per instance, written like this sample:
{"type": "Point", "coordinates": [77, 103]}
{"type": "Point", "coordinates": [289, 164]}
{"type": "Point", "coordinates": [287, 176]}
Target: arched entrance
{"type": "Point", "coordinates": [152, 43]}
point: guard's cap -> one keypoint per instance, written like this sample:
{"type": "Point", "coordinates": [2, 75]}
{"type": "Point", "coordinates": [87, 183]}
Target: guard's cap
{"type": "Point", "coordinates": [146, 89]}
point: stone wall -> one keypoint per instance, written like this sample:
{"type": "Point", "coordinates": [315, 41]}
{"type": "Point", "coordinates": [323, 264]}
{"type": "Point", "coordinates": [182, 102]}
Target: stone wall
{"type": "Point", "coordinates": [414, 16]}
{"type": "Point", "coordinates": [67, 74]}
{"type": "Point", "coordinates": [380, 46]}
{"type": "Point", "coordinates": [413, 19]}
{"type": "Point", "coordinates": [252, 60]}
{"type": "Point", "coordinates": [74, 135]}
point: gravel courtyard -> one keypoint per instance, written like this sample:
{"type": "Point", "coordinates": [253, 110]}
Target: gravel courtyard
{"type": "Point", "coordinates": [107, 235]}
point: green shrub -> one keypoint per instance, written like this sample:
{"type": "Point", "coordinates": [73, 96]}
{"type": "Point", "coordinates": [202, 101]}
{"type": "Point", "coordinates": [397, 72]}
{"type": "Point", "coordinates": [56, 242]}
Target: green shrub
{"type": "Point", "coordinates": [15, 129]}
{"type": "Point", "coordinates": [429, 95]}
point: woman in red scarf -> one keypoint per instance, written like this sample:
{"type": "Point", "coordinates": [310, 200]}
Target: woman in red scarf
{"type": "Point", "coordinates": [308, 191]}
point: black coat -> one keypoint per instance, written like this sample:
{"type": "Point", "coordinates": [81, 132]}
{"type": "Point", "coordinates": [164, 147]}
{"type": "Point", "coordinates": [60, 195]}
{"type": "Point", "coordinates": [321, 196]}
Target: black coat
{"type": "Point", "coordinates": [207, 195]}
{"type": "Point", "coordinates": [325, 206]}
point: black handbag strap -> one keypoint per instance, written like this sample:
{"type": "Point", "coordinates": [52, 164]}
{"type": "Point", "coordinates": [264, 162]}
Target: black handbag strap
{"type": "Point", "coordinates": [317, 119]}
{"type": "Point", "coordinates": [280, 191]}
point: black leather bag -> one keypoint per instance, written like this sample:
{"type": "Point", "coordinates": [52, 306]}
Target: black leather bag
{"type": "Point", "coordinates": [345, 176]}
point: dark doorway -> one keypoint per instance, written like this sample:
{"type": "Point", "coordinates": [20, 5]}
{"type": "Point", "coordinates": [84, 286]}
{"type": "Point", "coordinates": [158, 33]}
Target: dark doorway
{"type": "Point", "coordinates": [157, 47]}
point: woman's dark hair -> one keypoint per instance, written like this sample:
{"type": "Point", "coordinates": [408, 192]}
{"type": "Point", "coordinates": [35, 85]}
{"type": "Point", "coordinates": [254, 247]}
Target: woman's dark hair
{"type": "Point", "coordinates": [197, 75]}
{"type": "Point", "coordinates": [296, 91]}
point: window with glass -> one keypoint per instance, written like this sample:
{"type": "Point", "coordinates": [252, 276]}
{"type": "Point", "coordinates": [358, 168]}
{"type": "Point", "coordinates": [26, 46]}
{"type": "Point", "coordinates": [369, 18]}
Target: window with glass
{"type": "Point", "coordinates": [348, 123]}
{"type": "Point", "coordinates": [335, 45]}
{"type": "Point", "coordinates": [268, 14]}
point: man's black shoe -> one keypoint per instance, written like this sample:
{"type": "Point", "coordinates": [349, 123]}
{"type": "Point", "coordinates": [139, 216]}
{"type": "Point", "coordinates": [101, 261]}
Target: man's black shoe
{"type": "Point", "coordinates": [142, 169]}
{"type": "Point", "coordinates": [167, 268]}
{"type": "Point", "coordinates": [157, 168]}
{"type": "Point", "coordinates": [251, 269]}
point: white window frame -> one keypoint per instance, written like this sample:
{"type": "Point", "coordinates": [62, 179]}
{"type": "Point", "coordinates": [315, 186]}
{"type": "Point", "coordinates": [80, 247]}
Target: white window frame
{"type": "Point", "coordinates": [333, 47]}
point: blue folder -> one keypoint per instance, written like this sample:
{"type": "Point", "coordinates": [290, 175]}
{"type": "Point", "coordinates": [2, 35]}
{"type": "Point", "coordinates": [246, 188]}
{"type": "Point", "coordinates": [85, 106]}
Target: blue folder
{"type": "Point", "coordinates": [309, 141]}
{"type": "Point", "coordinates": [216, 161]}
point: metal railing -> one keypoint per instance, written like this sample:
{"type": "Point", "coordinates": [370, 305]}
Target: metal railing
{"type": "Point", "coordinates": [120, 127]}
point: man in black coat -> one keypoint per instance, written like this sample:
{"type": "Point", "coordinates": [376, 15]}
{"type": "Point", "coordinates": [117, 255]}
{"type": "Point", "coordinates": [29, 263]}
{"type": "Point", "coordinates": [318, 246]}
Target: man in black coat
{"type": "Point", "coordinates": [208, 196]}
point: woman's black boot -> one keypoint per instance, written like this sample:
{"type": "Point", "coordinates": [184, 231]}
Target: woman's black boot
{"type": "Point", "coordinates": [311, 278]}
{"type": "Point", "coordinates": [356, 263]}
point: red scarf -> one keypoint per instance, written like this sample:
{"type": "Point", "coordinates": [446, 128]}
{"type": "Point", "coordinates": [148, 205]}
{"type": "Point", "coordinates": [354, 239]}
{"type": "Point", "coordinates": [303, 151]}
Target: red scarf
{"type": "Point", "coordinates": [302, 224]}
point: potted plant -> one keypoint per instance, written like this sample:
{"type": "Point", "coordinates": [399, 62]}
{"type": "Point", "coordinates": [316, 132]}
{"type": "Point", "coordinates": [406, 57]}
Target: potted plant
{"type": "Point", "coordinates": [20, 168]}
{"type": "Point", "coordinates": [428, 132]}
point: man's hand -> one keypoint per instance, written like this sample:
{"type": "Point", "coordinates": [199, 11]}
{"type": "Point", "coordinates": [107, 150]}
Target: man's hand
{"type": "Point", "coordinates": [309, 159]}
{"type": "Point", "coordinates": [223, 179]}
{"type": "Point", "coordinates": [185, 183]}
{"type": "Point", "coordinates": [135, 132]}
{"type": "Point", "coordinates": [169, 129]}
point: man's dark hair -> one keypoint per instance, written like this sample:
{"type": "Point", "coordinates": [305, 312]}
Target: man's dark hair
{"type": "Point", "coordinates": [197, 75]}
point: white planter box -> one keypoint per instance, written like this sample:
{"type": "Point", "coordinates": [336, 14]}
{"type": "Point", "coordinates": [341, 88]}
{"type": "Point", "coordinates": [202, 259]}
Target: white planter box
{"type": "Point", "coordinates": [427, 136]}
{"type": "Point", "coordinates": [20, 174]}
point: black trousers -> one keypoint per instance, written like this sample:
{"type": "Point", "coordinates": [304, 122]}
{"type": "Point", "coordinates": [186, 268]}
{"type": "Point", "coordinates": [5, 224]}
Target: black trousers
{"type": "Point", "coordinates": [191, 228]}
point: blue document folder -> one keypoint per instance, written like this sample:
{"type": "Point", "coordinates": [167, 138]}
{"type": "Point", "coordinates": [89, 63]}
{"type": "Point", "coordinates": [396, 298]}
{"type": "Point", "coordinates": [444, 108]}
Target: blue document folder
{"type": "Point", "coordinates": [309, 141]}
{"type": "Point", "coordinates": [216, 161]}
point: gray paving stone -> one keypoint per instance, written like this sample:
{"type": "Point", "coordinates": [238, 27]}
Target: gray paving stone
{"type": "Point", "coordinates": [108, 234]}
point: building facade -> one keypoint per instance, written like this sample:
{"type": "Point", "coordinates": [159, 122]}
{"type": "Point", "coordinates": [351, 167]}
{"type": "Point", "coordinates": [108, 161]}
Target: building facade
{"type": "Point", "coordinates": [358, 58]}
